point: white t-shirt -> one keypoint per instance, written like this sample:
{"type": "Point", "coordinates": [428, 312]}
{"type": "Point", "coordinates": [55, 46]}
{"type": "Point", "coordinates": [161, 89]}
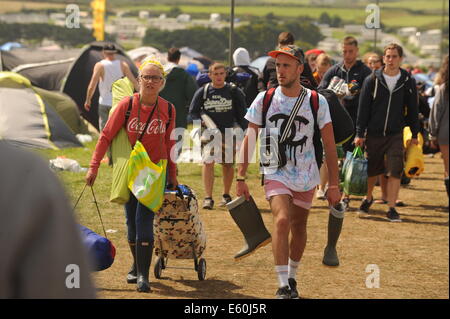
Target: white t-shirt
{"type": "Point", "coordinates": [391, 81]}
{"type": "Point", "coordinates": [300, 173]}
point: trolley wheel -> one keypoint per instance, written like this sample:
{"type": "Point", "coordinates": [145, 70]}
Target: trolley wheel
{"type": "Point", "coordinates": [201, 269]}
{"type": "Point", "coordinates": [159, 267]}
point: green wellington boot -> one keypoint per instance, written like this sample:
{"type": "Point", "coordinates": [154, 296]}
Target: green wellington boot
{"type": "Point", "coordinates": [132, 274]}
{"type": "Point", "coordinates": [335, 219]}
{"type": "Point", "coordinates": [143, 260]}
{"type": "Point", "coordinates": [247, 217]}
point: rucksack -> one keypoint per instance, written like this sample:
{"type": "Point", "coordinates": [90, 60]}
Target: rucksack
{"type": "Point", "coordinates": [339, 115]}
{"type": "Point", "coordinates": [246, 79]}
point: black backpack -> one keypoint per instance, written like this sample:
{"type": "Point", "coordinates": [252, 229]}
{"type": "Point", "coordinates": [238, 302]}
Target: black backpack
{"type": "Point", "coordinates": [245, 79]}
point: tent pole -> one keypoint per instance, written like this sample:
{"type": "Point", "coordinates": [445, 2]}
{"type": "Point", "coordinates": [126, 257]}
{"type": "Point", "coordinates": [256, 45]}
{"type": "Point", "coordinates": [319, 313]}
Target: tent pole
{"type": "Point", "coordinates": [230, 53]}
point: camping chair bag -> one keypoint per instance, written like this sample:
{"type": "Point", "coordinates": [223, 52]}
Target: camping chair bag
{"type": "Point", "coordinates": [120, 148]}
{"type": "Point", "coordinates": [177, 227]}
{"type": "Point", "coordinates": [100, 249]}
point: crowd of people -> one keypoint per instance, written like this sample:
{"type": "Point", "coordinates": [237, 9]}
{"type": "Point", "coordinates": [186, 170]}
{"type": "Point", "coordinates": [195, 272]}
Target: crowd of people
{"type": "Point", "coordinates": [381, 98]}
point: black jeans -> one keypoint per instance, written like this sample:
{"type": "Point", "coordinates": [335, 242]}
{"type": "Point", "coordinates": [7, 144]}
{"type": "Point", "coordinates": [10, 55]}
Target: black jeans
{"type": "Point", "coordinates": [139, 221]}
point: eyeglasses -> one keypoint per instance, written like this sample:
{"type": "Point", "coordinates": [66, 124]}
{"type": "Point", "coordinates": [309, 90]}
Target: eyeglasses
{"type": "Point", "coordinates": [153, 78]}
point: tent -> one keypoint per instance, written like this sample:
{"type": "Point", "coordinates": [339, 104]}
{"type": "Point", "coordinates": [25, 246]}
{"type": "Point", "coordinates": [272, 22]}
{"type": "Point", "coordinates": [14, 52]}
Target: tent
{"type": "Point", "coordinates": [37, 118]}
{"type": "Point", "coordinates": [260, 63]}
{"type": "Point", "coordinates": [8, 46]}
{"type": "Point", "coordinates": [188, 56]}
{"type": "Point", "coordinates": [138, 54]}
{"type": "Point", "coordinates": [68, 71]}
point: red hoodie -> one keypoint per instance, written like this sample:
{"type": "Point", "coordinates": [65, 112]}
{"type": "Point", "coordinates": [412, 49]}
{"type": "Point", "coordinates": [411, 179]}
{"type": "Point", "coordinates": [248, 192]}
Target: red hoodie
{"type": "Point", "coordinates": [156, 133]}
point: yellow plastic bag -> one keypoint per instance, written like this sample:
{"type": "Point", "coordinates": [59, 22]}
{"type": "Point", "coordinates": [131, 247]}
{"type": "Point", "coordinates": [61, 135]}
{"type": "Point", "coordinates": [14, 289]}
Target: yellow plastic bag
{"type": "Point", "coordinates": [146, 180]}
{"type": "Point", "coordinates": [414, 164]}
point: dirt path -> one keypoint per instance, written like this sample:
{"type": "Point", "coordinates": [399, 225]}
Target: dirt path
{"type": "Point", "coordinates": [412, 256]}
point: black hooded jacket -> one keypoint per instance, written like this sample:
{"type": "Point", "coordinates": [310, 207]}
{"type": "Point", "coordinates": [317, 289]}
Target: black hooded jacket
{"type": "Point", "coordinates": [384, 113]}
{"type": "Point", "coordinates": [358, 72]}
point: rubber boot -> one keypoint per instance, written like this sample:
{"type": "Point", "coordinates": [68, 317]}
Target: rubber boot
{"type": "Point", "coordinates": [248, 218]}
{"type": "Point", "coordinates": [132, 274]}
{"type": "Point", "coordinates": [144, 252]}
{"type": "Point", "coordinates": [335, 219]}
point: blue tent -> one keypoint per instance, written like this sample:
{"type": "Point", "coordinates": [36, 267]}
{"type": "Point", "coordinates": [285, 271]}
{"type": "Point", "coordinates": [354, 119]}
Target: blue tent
{"type": "Point", "coordinates": [8, 46]}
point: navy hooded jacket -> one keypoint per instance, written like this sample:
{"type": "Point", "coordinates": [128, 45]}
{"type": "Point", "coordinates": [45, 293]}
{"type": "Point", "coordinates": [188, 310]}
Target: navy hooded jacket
{"type": "Point", "coordinates": [382, 112]}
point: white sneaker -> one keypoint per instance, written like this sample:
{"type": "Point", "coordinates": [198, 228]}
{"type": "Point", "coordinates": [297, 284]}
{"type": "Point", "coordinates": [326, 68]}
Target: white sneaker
{"type": "Point", "coordinates": [320, 194]}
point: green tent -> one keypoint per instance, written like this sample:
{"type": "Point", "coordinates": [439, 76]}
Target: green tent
{"type": "Point", "coordinates": [37, 118]}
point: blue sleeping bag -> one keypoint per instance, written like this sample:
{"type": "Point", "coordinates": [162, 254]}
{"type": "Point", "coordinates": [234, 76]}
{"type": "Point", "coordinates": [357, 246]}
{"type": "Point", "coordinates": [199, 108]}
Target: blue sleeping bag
{"type": "Point", "coordinates": [100, 249]}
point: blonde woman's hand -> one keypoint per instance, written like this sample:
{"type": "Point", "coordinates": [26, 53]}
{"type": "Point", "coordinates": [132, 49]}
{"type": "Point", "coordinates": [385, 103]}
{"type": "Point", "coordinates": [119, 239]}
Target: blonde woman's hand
{"type": "Point", "coordinates": [90, 177]}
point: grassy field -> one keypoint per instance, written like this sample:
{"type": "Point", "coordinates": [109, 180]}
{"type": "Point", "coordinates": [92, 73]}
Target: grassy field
{"type": "Point", "coordinates": [412, 256]}
{"type": "Point", "coordinates": [13, 6]}
{"type": "Point", "coordinates": [394, 14]}
{"type": "Point", "coordinates": [356, 15]}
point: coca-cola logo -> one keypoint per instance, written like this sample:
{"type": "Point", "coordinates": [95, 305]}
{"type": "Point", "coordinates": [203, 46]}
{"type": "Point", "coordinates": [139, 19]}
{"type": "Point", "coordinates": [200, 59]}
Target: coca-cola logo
{"type": "Point", "coordinates": [154, 127]}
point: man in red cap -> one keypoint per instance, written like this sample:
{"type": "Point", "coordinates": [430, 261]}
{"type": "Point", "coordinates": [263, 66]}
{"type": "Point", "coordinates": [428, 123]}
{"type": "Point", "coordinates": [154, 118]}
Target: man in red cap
{"type": "Point", "coordinates": [290, 186]}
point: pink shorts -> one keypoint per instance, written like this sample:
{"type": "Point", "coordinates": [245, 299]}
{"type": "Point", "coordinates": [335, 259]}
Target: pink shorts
{"type": "Point", "coordinates": [302, 199]}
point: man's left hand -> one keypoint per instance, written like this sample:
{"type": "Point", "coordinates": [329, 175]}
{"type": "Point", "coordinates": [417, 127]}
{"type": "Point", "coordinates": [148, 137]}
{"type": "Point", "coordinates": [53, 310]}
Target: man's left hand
{"type": "Point", "coordinates": [333, 196]}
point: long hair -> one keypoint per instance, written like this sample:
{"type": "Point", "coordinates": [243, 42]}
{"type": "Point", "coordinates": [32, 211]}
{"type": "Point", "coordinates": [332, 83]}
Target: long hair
{"type": "Point", "coordinates": [442, 77]}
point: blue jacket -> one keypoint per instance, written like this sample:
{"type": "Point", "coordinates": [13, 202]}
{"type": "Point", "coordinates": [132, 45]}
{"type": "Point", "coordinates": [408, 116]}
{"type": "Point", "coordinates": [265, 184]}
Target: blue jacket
{"type": "Point", "coordinates": [384, 113]}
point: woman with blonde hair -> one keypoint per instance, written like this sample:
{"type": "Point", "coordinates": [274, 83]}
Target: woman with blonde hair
{"type": "Point", "coordinates": [150, 120]}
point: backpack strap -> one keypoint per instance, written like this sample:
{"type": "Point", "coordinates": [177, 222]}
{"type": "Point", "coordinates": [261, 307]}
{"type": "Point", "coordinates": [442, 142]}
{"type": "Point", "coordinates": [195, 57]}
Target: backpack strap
{"type": "Point", "coordinates": [205, 91]}
{"type": "Point", "coordinates": [318, 148]}
{"type": "Point", "coordinates": [128, 113]}
{"type": "Point", "coordinates": [315, 103]}
{"type": "Point", "coordinates": [170, 106]}
{"type": "Point", "coordinates": [268, 96]}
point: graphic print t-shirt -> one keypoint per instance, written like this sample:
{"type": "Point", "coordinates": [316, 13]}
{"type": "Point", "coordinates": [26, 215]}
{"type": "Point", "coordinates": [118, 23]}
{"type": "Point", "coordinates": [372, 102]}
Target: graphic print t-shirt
{"type": "Point", "coordinates": [300, 173]}
{"type": "Point", "coordinates": [219, 106]}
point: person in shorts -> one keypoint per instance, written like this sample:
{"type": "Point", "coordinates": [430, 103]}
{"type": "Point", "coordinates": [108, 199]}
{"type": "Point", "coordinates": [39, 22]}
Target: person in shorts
{"type": "Point", "coordinates": [224, 104]}
{"type": "Point", "coordinates": [290, 188]}
{"type": "Point", "coordinates": [387, 103]}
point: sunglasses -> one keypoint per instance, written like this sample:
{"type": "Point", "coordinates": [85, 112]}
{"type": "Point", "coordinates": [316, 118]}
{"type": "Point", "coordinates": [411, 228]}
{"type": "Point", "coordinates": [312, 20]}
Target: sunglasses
{"type": "Point", "coordinates": [153, 78]}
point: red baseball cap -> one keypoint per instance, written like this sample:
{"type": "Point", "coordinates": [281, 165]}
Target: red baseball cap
{"type": "Point", "coordinates": [314, 51]}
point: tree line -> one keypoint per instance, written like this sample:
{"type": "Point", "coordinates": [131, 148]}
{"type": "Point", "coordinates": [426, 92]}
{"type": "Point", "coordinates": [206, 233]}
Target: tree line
{"type": "Point", "coordinates": [258, 37]}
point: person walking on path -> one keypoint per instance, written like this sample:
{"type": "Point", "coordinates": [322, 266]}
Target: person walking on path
{"type": "Point", "coordinates": [180, 87]}
{"type": "Point", "coordinates": [439, 118]}
{"type": "Point", "coordinates": [290, 188]}
{"type": "Point", "coordinates": [385, 99]}
{"type": "Point", "coordinates": [105, 73]}
{"type": "Point", "coordinates": [225, 105]}
{"type": "Point", "coordinates": [151, 119]}
{"type": "Point", "coordinates": [351, 70]}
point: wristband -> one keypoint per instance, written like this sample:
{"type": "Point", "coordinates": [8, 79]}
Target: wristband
{"type": "Point", "coordinates": [333, 187]}
{"type": "Point", "coordinates": [240, 179]}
